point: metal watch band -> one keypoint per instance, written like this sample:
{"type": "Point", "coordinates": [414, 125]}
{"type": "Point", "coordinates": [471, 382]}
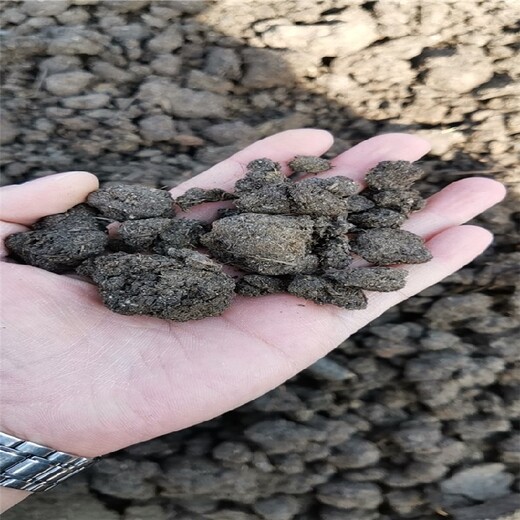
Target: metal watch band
{"type": "Point", "coordinates": [32, 467]}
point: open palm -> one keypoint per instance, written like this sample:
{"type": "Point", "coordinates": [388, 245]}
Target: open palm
{"type": "Point", "coordinates": [79, 378]}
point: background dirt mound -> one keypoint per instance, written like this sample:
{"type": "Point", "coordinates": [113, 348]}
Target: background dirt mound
{"type": "Point", "coordinates": [414, 416]}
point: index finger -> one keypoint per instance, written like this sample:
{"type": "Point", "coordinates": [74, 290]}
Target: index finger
{"type": "Point", "coordinates": [279, 147]}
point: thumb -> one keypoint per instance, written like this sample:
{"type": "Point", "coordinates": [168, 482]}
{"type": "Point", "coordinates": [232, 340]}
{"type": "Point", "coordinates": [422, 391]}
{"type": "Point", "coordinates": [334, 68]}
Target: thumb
{"type": "Point", "coordinates": [26, 203]}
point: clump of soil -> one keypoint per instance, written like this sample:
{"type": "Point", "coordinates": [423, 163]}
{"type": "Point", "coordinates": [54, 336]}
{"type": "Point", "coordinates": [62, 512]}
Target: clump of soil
{"type": "Point", "coordinates": [265, 244]}
{"type": "Point", "coordinates": [390, 246]}
{"type": "Point", "coordinates": [393, 175]}
{"type": "Point", "coordinates": [260, 285]}
{"type": "Point", "coordinates": [309, 164]}
{"type": "Point", "coordinates": [378, 218]}
{"type": "Point", "coordinates": [404, 201]}
{"type": "Point", "coordinates": [130, 202]}
{"type": "Point", "coordinates": [140, 234]}
{"type": "Point", "coordinates": [57, 251]}
{"type": "Point", "coordinates": [323, 290]}
{"type": "Point", "coordinates": [196, 196]}
{"type": "Point", "coordinates": [187, 286]}
{"type": "Point", "coordinates": [59, 243]}
{"type": "Point", "coordinates": [284, 235]}
{"type": "Point", "coordinates": [179, 234]}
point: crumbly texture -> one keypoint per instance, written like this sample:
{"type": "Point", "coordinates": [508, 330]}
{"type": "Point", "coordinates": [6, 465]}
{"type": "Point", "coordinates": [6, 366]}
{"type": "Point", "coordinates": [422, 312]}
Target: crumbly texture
{"type": "Point", "coordinates": [334, 253]}
{"type": "Point", "coordinates": [393, 175]}
{"type": "Point", "coordinates": [358, 203]}
{"type": "Point", "coordinates": [160, 286]}
{"type": "Point", "coordinates": [378, 218]}
{"type": "Point", "coordinates": [404, 201]}
{"type": "Point", "coordinates": [260, 285]}
{"type": "Point", "coordinates": [265, 244]}
{"type": "Point", "coordinates": [284, 234]}
{"type": "Point", "coordinates": [131, 202]}
{"type": "Point", "coordinates": [57, 251]}
{"type": "Point", "coordinates": [196, 196]}
{"type": "Point", "coordinates": [263, 165]}
{"type": "Point", "coordinates": [324, 291]}
{"type": "Point", "coordinates": [382, 279]}
{"type": "Point", "coordinates": [331, 242]}
{"type": "Point", "coordinates": [268, 190]}
{"type": "Point", "coordinates": [309, 164]}
{"type": "Point", "coordinates": [266, 199]}
{"type": "Point", "coordinates": [260, 173]}
{"type": "Point", "coordinates": [390, 246]}
{"type": "Point", "coordinates": [263, 189]}
{"type": "Point", "coordinates": [326, 228]}
{"type": "Point", "coordinates": [317, 197]}
{"type": "Point", "coordinates": [138, 235]}
{"type": "Point", "coordinates": [180, 233]}
{"type": "Point", "coordinates": [78, 218]}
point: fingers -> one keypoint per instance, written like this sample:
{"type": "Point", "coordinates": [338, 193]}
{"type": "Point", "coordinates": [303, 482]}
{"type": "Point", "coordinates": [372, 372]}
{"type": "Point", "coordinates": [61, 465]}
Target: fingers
{"type": "Point", "coordinates": [451, 249]}
{"type": "Point", "coordinates": [279, 147]}
{"type": "Point", "coordinates": [356, 162]}
{"type": "Point", "coordinates": [26, 203]}
{"type": "Point", "coordinates": [457, 203]}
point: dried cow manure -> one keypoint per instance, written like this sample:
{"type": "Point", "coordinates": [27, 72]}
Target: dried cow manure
{"type": "Point", "coordinates": [309, 164]}
{"type": "Point", "coordinates": [284, 235]}
{"type": "Point", "coordinates": [390, 246]}
{"type": "Point", "coordinates": [271, 192]}
{"type": "Point", "coordinates": [56, 250]}
{"type": "Point", "coordinates": [131, 202]}
{"type": "Point", "coordinates": [260, 174]}
{"type": "Point", "coordinates": [327, 227]}
{"type": "Point", "coordinates": [138, 235]}
{"type": "Point", "coordinates": [227, 212]}
{"type": "Point", "coordinates": [195, 196]}
{"type": "Point", "coordinates": [393, 175]}
{"type": "Point", "coordinates": [264, 165]}
{"type": "Point", "coordinates": [316, 196]}
{"type": "Point", "coordinates": [265, 244]}
{"type": "Point", "coordinates": [312, 198]}
{"type": "Point", "coordinates": [404, 201]}
{"type": "Point", "coordinates": [78, 218]}
{"type": "Point", "coordinates": [334, 253]}
{"type": "Point", "coordinates": [272, 199]}
{"type": "Point", "coordinates": [260, 285]}
{"type": "Point", "coordinates": [358, 203]}
{"type": "Point", "coordinates": [378, 218]}
{"type": "Point", "coordinates": [155, 285]}
{"type": "Point", "coordinates": [381, 279]}
{"type": "Point", "coordinates": [321, 290]}
{"type": "Point", "coordinates": [180, 233]}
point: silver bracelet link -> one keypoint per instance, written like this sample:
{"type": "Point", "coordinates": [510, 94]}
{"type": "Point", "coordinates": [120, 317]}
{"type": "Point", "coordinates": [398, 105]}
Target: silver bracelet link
{"type": "Point", "coordinates": [32, 467]}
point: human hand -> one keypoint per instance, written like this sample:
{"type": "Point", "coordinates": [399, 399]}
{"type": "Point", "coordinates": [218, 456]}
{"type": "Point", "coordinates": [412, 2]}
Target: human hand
{"type": "Point", "coordinates": [81, 379]}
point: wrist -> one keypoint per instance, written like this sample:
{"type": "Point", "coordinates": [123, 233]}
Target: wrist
{"type": "Point", "coordinates": [28, 466]}
{"type": "Point", "coordinates": [10, 497]}
{"type": "Point", "coordinates": [56, 442]}
{"type": "Point", "coordinates": [52, 431]}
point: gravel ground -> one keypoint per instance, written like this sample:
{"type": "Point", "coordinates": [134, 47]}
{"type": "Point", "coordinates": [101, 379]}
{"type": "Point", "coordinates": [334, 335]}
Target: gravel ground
{"type": "Point", "coordinates": [417, 415]}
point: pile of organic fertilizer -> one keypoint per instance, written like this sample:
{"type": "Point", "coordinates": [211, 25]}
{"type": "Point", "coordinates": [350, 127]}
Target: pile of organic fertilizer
{"type": "Point", "coordinates": [298, 234]}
